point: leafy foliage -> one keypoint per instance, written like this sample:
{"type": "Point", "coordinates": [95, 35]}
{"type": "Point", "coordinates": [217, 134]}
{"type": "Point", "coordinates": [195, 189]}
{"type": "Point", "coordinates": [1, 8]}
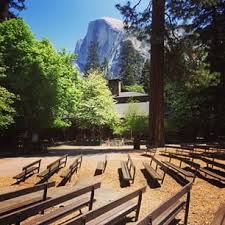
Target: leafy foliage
{"type": "Point", "coordinates": [7, 112]}
{"type": "Point", "coordinates": [41, 77]}
{"type": "Point", "coordinates": [135, 88]}
{"type": "Point", "coordinates": [96, 107]}
{"type": "Point", "coordinates": [135, 122]}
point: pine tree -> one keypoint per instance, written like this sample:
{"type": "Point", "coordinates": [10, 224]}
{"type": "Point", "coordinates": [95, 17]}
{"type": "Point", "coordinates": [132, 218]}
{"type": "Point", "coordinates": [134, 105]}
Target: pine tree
{"type": "Point", "coordinates": [8, 7]}
{"type": "Point", "coordinates": [92, 58]}
{"type": "Point", "coordinates": [130, 64]}
{"type": "Point", "coordinates": [105, 68]}
{"type": "Point", "coordinates": [144, 79]}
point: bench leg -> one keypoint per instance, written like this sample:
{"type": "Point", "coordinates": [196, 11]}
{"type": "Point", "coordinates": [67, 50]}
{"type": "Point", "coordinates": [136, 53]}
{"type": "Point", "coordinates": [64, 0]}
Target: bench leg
{"type": "Point", "coordinates": [163, 177]}
{"type": "Point", "coordinates": [187, 208]}
{"type": "Point", "coordinates": [138, 206]}
{"type": "Point", "coordinates": [92, 199]}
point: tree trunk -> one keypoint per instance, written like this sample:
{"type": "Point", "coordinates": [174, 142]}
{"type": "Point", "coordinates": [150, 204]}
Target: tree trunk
{"type": "Point", "coordinates": [156, 120]}
{"type": "Point", "coordinates": [4, 10]}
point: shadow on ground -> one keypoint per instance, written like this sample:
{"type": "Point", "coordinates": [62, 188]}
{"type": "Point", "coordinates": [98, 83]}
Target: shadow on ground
{"type": "Point", "coordinates": [123, 183]}
{"type": "Point", "coordinates": [70, 152]}
{"type": "Point", "coordinates": [152, 183]}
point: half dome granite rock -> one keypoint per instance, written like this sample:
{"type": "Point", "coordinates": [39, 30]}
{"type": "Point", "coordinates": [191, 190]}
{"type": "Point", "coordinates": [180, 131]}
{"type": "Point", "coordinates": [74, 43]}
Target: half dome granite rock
{"type": "Point", "coordinates": [109, 34]}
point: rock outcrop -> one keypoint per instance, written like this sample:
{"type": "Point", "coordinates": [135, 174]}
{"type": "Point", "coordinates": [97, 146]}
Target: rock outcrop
{"type": "Point", "coordinates": [109, 34]}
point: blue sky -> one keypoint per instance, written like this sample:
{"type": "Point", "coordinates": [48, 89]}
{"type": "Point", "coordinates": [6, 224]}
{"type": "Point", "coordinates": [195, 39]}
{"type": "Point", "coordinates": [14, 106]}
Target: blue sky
{"type": "Point", "coordinates": [63, 22]}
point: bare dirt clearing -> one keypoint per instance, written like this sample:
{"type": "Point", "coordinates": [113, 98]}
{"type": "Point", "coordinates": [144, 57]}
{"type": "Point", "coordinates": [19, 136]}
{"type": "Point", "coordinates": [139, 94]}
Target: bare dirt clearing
{"type": "Point", "coordinates": [206, 195]}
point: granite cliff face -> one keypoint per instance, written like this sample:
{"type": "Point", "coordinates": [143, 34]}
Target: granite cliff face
{"type": "Point", "coordinates": [109, 34]}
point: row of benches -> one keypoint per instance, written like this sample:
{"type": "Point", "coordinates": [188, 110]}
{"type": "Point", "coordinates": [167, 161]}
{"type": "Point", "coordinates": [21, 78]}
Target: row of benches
{"type": "Point", "coordinates": [197, 167]}
{"type": "Point", "coordinates": [110, 213]}
{"type": "Point", "coordinates": [53, 167]}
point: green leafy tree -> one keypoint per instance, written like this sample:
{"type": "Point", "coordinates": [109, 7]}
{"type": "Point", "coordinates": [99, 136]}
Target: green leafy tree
{"type": "Point", "coordinates": [130, 64]}
{"type": "Point", "coordinates": [7, 112]}
{"type": "Point", "coordinates": [134, 124]}
{"type": "Point", "coordinates": [92, 58]}
{"type": "Point", "coordinates": [96, 107]}
{"type": "Point", "coordinates": [43, 79]}
{"type": "Point", "coordinates": [135, 88]}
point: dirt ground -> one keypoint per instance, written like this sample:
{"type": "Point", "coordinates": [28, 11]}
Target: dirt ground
{"type": "Point", "coordinates": [206, 195]}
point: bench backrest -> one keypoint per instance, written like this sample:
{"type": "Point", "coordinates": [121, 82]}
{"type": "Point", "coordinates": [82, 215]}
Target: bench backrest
{"type": "Point", "coordinates": [84, 218]}
{"type": "Point", "coordinates": [25, 191]}
{"type": "Point", "coordinates": [131, 166]}
{"type": "Point", "coordinates": [59, 161]}
{"type": "Point", "coordinates": [27, 212]}
{"type": "Point", "coordinates": [38, 162]}
{"type": "Point", "coordinates": [76, 163]}
{"type": "Point", "coordinates": [185, 160]}
{"type": "Point", "coordinates": [165, 205]}
{"type": "Point", "coordinates": [159, 163]}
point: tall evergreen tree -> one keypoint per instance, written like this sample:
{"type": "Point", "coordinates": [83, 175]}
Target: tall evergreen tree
{"type": "Point", "coordinates": [8, 8]}
{"type": "Point", "coordinates": [151, 20]}
{"type": "Point", "coordinates": [105, 68]}
{"type": "Point", "coordinates": [92, 58]}
{"type": "Point", "coordinates": [130, 64]}
{"type": "Point", "coordinates": [144, 79]}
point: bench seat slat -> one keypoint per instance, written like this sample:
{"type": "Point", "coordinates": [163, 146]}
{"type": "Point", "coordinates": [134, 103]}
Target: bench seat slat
{"type": "Point", "coordinates": [152, 172]}
{"type": "Point", "coordinates": [20, 205]}
{"type": "Point", "coordinates": [126, 174]}
{"type": "Point", "coordinates": [114, 215]}
{"type": "Point", "coordinates": [176, 168]}
{"type": "Point", "coordinates": [100, 165]}
{"type": "Point", "coordinates": [49, 218]}
{"type": "Point", "coordinates": [169, 215]}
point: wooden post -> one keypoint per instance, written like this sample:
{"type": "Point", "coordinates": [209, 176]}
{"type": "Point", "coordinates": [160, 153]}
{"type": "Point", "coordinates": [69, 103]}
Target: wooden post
{"type": "Point", "coordinates": [39, 165]}
{"type": "Point", "coordinates": [138, 206]}
{"type": "Point", "coordinates": [45, 195]}
{"type": "Point", "coordinates": [163, 176]}
{"type": "Point", "coordinates": [92, 199]}
{"type": "Point", "coordinates": [187, 208]}
{"type": "Point", "coordinates": [180, 163]}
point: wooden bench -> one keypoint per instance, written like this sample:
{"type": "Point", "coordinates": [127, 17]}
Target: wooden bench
{"type": "Point", "coordinates": [20, 215]}
{"type": "Point", "coordinates": [179, 149]}
{"type": "Point", "coordinates": [18, 204]}
{"type": "Point", "coordinates": [197, 168]}
{"type": "Point", "coordinates": [101, 165]}
{"type": "Point", "coordinates": [154, 172]}
{"type": "Point", "coordinates": [168, 210]}
{"type": "Point", "coordinates": [113, 212]}
{"type": "Point", "coordinates": [28, 170]}
{"type": "Point", "coordinates": [53, 167]}
{"type": "Point", "coordinates": [67, 174]}
{"type": "Point", "coordinates": [219, 218]}
{"type": "Point", "coordinates": [212, 163]}
{"type": "Point", "coordinates": [128, 169]}
{"type": "Point", "coordinates": [179, 170]}
{"type": "Point", "coordinates": [151, 150]}
{"type": "Point", "coordinates": [212, 174]}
